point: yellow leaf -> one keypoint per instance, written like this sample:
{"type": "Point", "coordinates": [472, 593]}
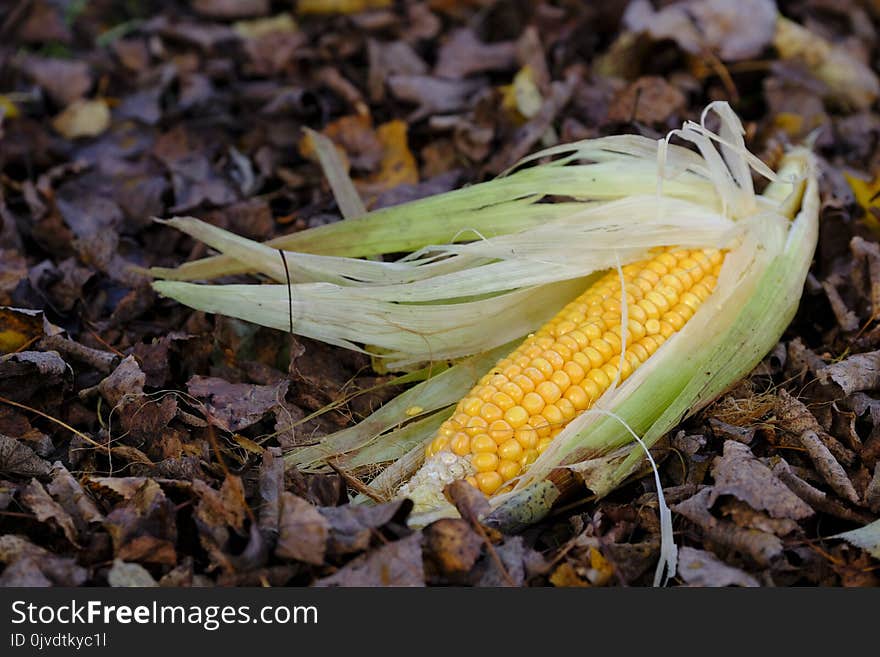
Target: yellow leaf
{"type": "Point", "coordinates": [522, 98]}
{"type": "Point", "coordinates": [566, 575]}
{"type": "Point", "coordinates": [340, 6]}
{"type": "Point", "coordinates": [601, 569]}
{"type": "Point", "coordinates": [868, 197]}
{"type": "Point", "coordinates": [18, 327]}
{"type": "Point", "coordinates": [254, 29]}
{"type": "Point", "coordinates": [83, 118]}
{"type": "Point", "coordinates": [398, 165]}
{"type": "Point", "coordinates": [247, 444]}
{"type": "Point", "coordinates": [8, 109]}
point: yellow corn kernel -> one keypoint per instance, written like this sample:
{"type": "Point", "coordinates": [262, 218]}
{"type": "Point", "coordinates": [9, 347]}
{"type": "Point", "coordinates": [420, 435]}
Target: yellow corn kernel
{"type": "Point", "coordinates": [530, 396]}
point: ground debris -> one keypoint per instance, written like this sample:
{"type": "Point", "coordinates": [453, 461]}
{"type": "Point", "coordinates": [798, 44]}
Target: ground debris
{"type": "Point", "coordinates": [144, 443]}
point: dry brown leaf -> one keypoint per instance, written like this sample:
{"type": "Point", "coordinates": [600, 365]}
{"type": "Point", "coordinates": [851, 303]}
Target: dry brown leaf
{"type": "Point", "coordinates": [127, 379]}
{"type": "Point", "coordinates": [143, 527]}
{"type": "Point", "coordinates": [60, 571]}
{"type": "Point", "coordinates": [394, 564]}
{"type": "Point", "coordinates": [236, 406]}
{"type": "Point", "coordinates": [650, 100]}
{"type": "Point", "coordinates": [230, 9]}
{"type": "Point", "coordinates": [452, 547]}
{"type": "Point", "coordinates": [872, 492]}
{"type": "Point", "coordinates": [762, 548]}
{"type": "Point", "coordinates": [793, 416]}
{"type": "Point", "coordinates": [303, 531]}
{"type": "Point", "coordinates": [64, 80]}
{"type": "Point", "coordinates": [816, 498]}
{"type": "Point", "coordinates": [827, 466]}
{"type": "Point", "coordinates": [747, 517]}
{"type": "Point", "coordinates": [70, 495]}
{"type": "Point", "coordinates": [701, 568]}
{"type": "Point", "coordinates": [36, 500]}
{"type": "Point", "coordinates": [855, 373]}
{"type": "Point", "coordinates": [463, 54]}
{"type": "Point", "coordinates": [433, 95]}
{"type": "Point", "coordinates": [740, 474]}
{"type": "Point", "coordinates": [17, 458]}
{"type": "Point", "coordinates": [352, 527]}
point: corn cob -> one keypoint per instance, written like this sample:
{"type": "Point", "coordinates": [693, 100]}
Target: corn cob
{"type": "Point", "coordinates": [627, 360]}
{"type": "Point", "coordinates": [528, 398]}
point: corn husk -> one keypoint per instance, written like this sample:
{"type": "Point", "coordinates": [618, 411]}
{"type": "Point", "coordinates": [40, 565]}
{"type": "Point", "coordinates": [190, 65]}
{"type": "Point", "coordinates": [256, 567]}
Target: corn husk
{"type": "Point", "coordinates": [489, 263]}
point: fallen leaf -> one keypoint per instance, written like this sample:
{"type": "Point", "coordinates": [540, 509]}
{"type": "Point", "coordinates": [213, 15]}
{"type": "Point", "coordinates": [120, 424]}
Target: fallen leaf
{"type": "Point", "coordinates": [83, 118]}
{"type": "Point", "coordinates": [872, 492]}
{"type": "Point", "coordinates": [748, 518]}
{"type": "Point", "coordinates": [867, 538]}
{"type": "Point", "coordinates": [762, 548]}
{"type": "Point", "coordinates": [18, 327]}
{"type": "Point", "coordinates": [632, 560]}
{"type": "Point", "coordinates": [143, 527]}
{"type": "Point", "coordinates": [24, 373]}
{"type": "Point", "coordinates": [352, 526]}
{"type": "Point", "coordinates": [735, 32]}
{"type": "Point", "coordinates": [433, 95]}
{"type": "Point", "coordinates": [339, 6]}
{"type": "Point", "coordinates": [19, 459]}
{"type": "Point", "coordinates": [218, 512]}
{"type": "Point", "coordinates": [271, 484]}
{"type": "Point", "coordinates": [76, 502]}
{"type": "Point", "coordinates": [701, 568]}
{"type": "Point", "coordinates": [451, 547]}
{"type": "Point", "coordinates": [651, 100]}
{"type": "Point", "coordinates": [850, 81]}
{"type": "Point", "coordinates": [260, 27]}
{"type": "Point", "coordinates": [827, 466]}
{"type": "Point", "coordinates": [231, 9]}
{"type": "Point", "coordinates": [513, 554]}
{"type": "Point", "coordinates": [127, 380]}
{"type": "Point", "coordinates": [36, 500]}
{"type": "Point", "coordinates": [817, 499]}
{"type": "Point", "coordinates": [566, 575]}
{"type": "Point", "coordinates": [386, 59]}
{"type": "Point", "coordinates": [64, 80]}
{"type": "Point", "coordinates": [125, 574]}
{"type": "Point", "coordinates": [195, 178]}
{"type": "Point", "coordinates": [854, 373]}
{"type": "Point", "coordinates": [24, 572]}
{"type": "Point", "coordinates": [303, 531]}
{"type": "Point", "coordinates": [470, 502]}
{"type": "Point", "coordinates": [740, 474]}
{"type": "Point", "coordinates": [61, 571]}
{"type": "Point", "coordinates": [13, 269]}
{"type": "Point", "coordinates": [397, 165]}
{"type": "Point", "coordinates": [463, 54]}
{"type": "Point", "coordinates": [394, 564]}
{"type": "Point", "coordinates": [236, 406]}
{"type": "Point", "coordinates": [522, 98]}
{"type": "Point", "coordinates": [793, 416]}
